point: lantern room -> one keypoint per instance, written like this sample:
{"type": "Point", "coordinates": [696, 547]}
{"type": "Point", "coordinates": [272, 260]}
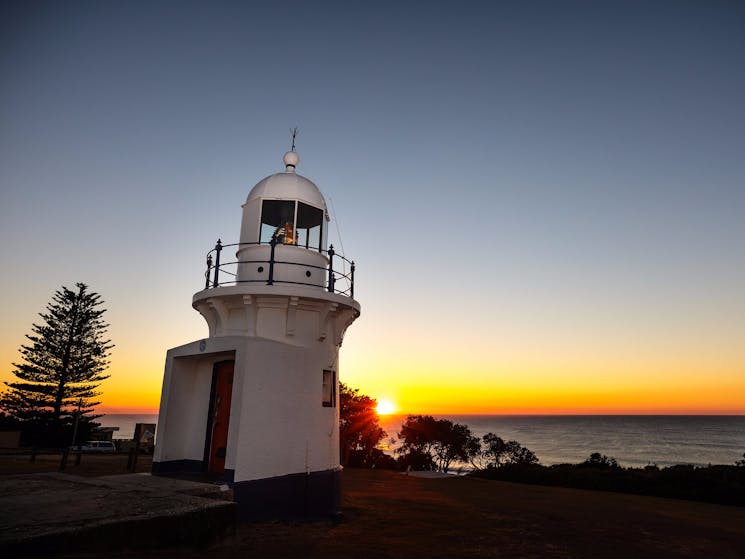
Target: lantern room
{"type": "Point", "coordinates": [284, 212]}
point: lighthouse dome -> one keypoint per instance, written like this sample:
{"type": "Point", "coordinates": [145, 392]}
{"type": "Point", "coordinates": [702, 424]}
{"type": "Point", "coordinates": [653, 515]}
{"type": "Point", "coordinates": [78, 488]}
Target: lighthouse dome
{"type": "Point", "coordinates": [288, 186]}
{"type": "Point", "coordinates": [288, 212]}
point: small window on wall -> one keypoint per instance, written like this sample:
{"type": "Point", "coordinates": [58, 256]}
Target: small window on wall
{"type": "Point", "coordinates": [329, 389]}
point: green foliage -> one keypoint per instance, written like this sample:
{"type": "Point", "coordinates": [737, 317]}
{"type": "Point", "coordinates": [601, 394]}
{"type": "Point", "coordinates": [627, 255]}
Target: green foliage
{"type": "Point", "coordinates": [433, 444]}
{"type": "Point", "coordinates": [600, 461]}
{"type": "Point", "coordinates": [9, 423]}
{"type": "Point", "coordinates": [359, 429]}
{"type": "Point", "coordinates": [497, 453]}
{"type": "Point", "coordinates": [715, 484]}
{"type": "Point", "coordinates": [61, 368]}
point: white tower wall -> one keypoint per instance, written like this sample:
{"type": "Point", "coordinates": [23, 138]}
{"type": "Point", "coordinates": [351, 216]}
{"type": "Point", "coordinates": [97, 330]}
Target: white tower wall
{"type": "Point", "coordinates": [256, 403]}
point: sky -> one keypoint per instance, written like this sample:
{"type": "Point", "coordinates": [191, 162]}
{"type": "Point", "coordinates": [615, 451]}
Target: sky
{"type": "Point", "coordinates": [544, 199]}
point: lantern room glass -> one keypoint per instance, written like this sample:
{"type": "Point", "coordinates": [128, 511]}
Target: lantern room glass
{"type": "Point", "coordinates": [292, 223]}
{"type": "Point", "coordinates": [309, 226]}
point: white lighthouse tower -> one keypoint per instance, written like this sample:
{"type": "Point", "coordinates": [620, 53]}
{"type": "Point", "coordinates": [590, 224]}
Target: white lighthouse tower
{"type": "Point", "coordinates": [256, 403]}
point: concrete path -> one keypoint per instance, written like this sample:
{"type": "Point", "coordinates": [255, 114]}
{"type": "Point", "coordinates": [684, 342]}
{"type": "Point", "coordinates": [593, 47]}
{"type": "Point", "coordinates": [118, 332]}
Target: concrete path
{"type": "Point", "coordinates": [41, 514]}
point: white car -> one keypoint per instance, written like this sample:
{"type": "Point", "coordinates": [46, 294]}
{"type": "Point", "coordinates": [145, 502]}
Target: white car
{"type": "Point", "coordinates": [98, 446]}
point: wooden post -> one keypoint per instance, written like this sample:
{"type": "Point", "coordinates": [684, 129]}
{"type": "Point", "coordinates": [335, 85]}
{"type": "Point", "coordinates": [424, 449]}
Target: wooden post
{"type": "Point", "coordinates": [63, 461]}
{"type": "Point", "coordinates": [135, 453]}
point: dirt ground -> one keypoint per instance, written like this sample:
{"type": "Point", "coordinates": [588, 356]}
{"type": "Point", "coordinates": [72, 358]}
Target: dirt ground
{"type": "Point", "coordinates": [390, 515]}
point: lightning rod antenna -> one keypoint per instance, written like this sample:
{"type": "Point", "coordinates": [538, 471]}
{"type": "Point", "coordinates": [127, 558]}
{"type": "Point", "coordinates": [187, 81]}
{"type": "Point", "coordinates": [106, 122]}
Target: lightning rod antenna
{"type": "Point", "coordinates": [293, 131]}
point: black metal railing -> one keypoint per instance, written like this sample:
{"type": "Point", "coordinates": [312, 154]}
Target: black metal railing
{"type": "Point", "coordinates": [339, 279]}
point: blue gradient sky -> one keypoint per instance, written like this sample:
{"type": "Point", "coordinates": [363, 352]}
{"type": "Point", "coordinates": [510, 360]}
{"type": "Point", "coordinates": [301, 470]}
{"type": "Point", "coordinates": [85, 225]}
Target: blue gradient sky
{"type": "Point", "coordinates": [545, 200]}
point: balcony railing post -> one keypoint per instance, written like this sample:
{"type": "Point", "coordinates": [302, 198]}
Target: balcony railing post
{"type": "Point", "coordinates": [207, 273]}
{"type": "Point", "coordinates": [332, 279]}
{"type": "Point", "coordinates": [351, 282]}
{"type": "Point", "coordinates": [218, 248]}
{"type": "Point", "coordinates": [273, 245]}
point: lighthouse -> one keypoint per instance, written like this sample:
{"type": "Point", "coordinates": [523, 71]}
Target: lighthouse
{"type": "Point", "coordinates": [256, 403]}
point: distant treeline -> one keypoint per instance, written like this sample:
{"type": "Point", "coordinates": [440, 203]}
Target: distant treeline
{"type": "Point", "coordinates": [714, 484]}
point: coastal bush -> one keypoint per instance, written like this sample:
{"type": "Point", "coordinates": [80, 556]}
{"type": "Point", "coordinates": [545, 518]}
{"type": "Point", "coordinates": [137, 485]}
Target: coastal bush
{"type": "Point", "coordinates": [415, 459]}
{"type": "Point", "coordinates": [359, 430]}
{"type": "Point", "coordinates": [597, 460]}
{"type": "Point", "coordinates": [434, 444]}
{"type": "Point", "coordinates": [496, 453]}
{"type": "Point", "coordinates": [715, 484]}
{"type": "Point", "coordinates": [9, 423]}
{"type": "Point", "coordinates": [374, 458]}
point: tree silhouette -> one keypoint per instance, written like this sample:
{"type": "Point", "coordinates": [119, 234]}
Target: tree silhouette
{"type": "Point", "coordinates": [359, 429]}
{"type": "Point", "coordinates": [497, 452]}
{"type": "Point", "coordinates": [62, 366]}
{"type": "Point", "coordinates": [433, 444]}
{"type": "Point", "coordinates": [741, 463]}
{"type": "Point", "coordinates": [600, 461]}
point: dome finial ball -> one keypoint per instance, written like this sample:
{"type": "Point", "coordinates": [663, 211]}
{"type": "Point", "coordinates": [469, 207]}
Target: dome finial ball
{"type": "Point", "coordinates": [291, 160]}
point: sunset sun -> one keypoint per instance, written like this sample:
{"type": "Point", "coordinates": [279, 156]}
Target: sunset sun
{"type": "Point", "coordinates": [385, 407]}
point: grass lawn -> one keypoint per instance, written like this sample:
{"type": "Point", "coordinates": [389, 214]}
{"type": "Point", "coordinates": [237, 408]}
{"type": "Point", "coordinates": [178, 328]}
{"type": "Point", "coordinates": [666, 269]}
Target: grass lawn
{"type": "Point", "coordinates": [390, 515]}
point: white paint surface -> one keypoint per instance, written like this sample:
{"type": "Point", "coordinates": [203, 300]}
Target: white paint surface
{"type": "Point", "coordinates": [282, 337]}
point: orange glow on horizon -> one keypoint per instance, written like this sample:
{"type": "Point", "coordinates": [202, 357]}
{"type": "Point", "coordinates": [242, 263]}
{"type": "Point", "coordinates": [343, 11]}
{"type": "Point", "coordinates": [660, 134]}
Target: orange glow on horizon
{"type": "Point", "coordinates": [474, 384]}
{"type": "Point", "coordinates": [557, 393]}
{"type": "Point", "coordinates": [519, 394]}
{"type": "Point", "coordinates": [652, 401]}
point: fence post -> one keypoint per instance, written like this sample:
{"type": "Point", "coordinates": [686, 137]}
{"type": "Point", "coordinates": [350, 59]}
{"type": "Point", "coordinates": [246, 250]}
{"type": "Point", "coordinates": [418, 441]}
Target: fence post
{"type": "Point", "coordinates": [207, 273]}
{"type": "Point", "coordinates": [135, 455]}
{"type": "Point", "coordinates": [272, 244]}
{"type": "Point", "coordinates": [332, 279]}
{"type": "Point", "coordinates": [351, 288]}
{"type": "Point", "coordinates": [63, 461]}
{"type": "Point", "coordinates": [218, 248]}
{"type": "Point", "coordinates": [131, 460]}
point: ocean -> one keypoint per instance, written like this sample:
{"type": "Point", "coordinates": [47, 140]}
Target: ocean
{"type": "Point", "coordinates": [126, 423]}
{"type": "Point", "coordinates": [633, 440]}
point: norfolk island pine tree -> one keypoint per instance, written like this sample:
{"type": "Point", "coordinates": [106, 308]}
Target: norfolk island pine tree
{"type": "Point", "coordinates": [61, 369]}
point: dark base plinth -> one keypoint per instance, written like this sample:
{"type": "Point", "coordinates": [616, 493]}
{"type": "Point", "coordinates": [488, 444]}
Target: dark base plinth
{"type": "Point", "coordinates": [294, 496]}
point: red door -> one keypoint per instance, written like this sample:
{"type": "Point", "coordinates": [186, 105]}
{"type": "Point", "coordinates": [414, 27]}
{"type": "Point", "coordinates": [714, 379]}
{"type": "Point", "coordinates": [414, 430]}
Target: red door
{"type": "Point", "coordinates": [220, 408]}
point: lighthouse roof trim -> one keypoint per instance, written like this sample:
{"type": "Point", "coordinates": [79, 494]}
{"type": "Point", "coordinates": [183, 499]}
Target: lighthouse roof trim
{"type": "Point", "coordinates": [288, 186]}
